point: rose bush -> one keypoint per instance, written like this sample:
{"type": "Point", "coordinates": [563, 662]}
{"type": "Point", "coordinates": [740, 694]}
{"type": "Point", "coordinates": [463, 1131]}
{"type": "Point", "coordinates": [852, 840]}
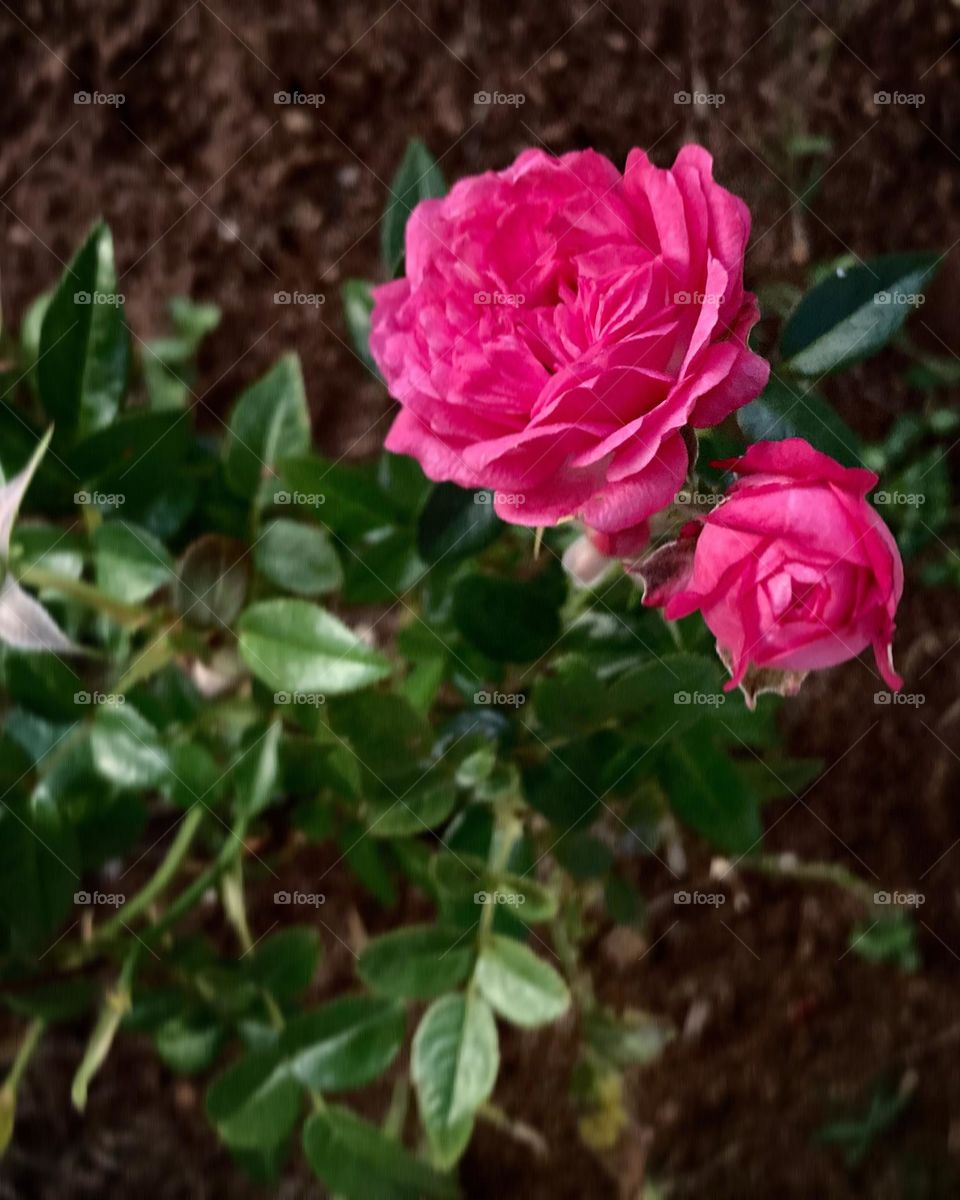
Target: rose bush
{"type": "Point", "coordinates": [561, 325]}
{"type": "Point", "coordinates": [793, 571]}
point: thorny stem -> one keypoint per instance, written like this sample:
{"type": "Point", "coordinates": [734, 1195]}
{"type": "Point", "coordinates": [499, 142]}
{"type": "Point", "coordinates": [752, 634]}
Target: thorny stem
{"type": "Point", "coordinates": [160, 878]}
{"type": "Point", "coordinates": [130, 615]}
{"type": "Point", "coordinates": [29, 1044]}
{"type": "Point", "coordinates": [116, 1005]}
{"type": "Point", "coordinates": [786, 867]}
{"type": "Point", "coordinates": [517, 1129]}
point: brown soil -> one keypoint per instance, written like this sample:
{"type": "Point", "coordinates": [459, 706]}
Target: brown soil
{"type": "Point", "coordinates": [213, 189]}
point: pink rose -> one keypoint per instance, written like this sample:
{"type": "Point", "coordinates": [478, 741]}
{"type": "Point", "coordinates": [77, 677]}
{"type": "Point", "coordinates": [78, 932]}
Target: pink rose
{"type": "Point", "coordinates": [560, 325]}
{"type": "Point", "coordinates": [793, 571]}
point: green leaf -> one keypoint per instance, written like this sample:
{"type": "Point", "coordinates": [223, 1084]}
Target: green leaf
{"type": "Point", "coordinates": [456, 523]}
{"type": "Point", "coordinates": [789, 411]}
{"type": "Point", "coordinates": [344, 1044]}
{"type": "Point", "coordinates": [126, 748]}
{"type": "Point", "coordinates": [454, 1063]}
{"type": "Point", "coordinates": [854, 312]}
{"type": "Point", "coordinates": [467, 877]}
{"type": "Point", "coordinates": [212, 581]}
{"type": "Point", "coordinates": [298, 558]}
{"type": "Point", "coordinates": [889, 938]}
{"type": "Point", "coordinates": [131, 564]}
{"type": "Point", "coordinates": [270, 420]}
{"type": "Point", "coordinates": [418, 962]}
{"type": "Point", "coordinates": [357, 307]}
{"type": "Point", "coordinates": [424, 806]}
{"type": "Point", "coordinates": [418, 178]}
{"type": "Point", "coordinates": [188, 1046]}
{"type": "Point", "coordinates": [38, 870]}
{"type": "Point", "coordinates": [508, 620]}
{"type": "Point", "coordinates": [583, 855]}
{"type": "Point", "coordinates": [521, 987]}
{"type": "Point", "coordinates": [285, 962]}
{"type": "Point", "coordinates": [64, 1000]}
{"type": "Point", "coordinates": [255, 1103]}
{"type": "Point", "coordinates": [356, 1160]}
{"type": "Point", "coordinates": [133, 460]}
{"type": "Point", "coordinates": [298, 647]}
{"type": "Point", "coordinates": [256, 774]}
{"type": "Point", "coordinates": [706, 791]}
{"type": "Point", "coordinates": [194, 775]}
{"type": "Point", "coordinates": [192, 319]}
{"type": "Point", "coordinates": [84, 358]}
{"type": "Point", "coordinates": [628, 1039]}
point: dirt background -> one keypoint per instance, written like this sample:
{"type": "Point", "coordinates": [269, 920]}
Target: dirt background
{"type": "Point", "coordinates": [215, 190]}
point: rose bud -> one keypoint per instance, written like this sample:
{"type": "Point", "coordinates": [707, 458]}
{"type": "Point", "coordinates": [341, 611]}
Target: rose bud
{"type": "Point", "coordinates": [793, 571]}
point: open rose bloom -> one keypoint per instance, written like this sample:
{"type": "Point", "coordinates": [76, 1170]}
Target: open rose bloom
{"type": "Point", "coordinates": [792, 572]}
{"type": "Point", "coordinates": [561, 325]}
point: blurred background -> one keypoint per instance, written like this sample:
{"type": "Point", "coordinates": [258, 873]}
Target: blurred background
{"type": "Point", "coordinates": [839, 124]}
